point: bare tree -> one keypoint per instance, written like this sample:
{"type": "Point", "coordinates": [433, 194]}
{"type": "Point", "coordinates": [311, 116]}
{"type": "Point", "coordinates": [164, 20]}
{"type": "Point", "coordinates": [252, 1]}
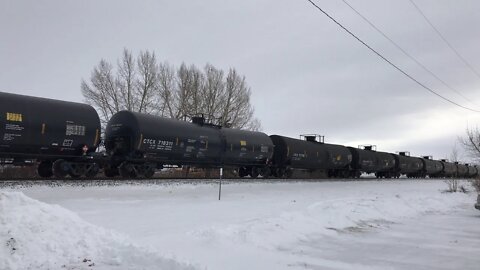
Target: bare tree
{"type": "Point", "coordinates": [455, 154]}
{"type": "Point", "coordinates": [236, 109]}
{"type": "Point", "coordinates": [133, 88]}
{"type": "Point", "coordinates": [184, 93]}
{"type": "Point", "coordinates": [143, 85]}
{"type": "Point", "coordinates": [167, 90]}
{"type": "Point", "coordinates": [102, 92]}
{"type": "Point", "coordinates": [254, 125]}
{"type": "Point", "coordinates": [147, 83]}
{"type": "Point", "coordinates": [126, 80]}
{"type": "Point", "coordinates": [212, 91]}
{"type": "Point", "coordinates": [453, 183]}
{"type": "Point", "coordinates": [476, 184]}
{"type": "Point", "coordinates": [471, 143]}
{"type": "Point", "coordinates": [196, 85]}
{"type": "Point", "coordinates": [225, 100]}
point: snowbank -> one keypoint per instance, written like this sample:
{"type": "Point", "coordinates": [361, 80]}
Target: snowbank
{"type": "Point", "coordinates": [36, 235]}
{"type": "Point", "coordinates": [332, 216]}
{"type": "Point", "coordinates": [397, 224]}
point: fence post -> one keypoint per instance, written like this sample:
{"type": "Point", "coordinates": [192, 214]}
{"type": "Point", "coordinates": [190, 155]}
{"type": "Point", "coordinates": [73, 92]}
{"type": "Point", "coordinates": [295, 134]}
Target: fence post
{"type": "Point", "coordinates": [220, 184]}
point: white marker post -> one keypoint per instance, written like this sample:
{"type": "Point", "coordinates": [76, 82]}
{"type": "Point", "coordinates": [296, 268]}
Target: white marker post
{"type": "Point", "coordinates": [220, 184]}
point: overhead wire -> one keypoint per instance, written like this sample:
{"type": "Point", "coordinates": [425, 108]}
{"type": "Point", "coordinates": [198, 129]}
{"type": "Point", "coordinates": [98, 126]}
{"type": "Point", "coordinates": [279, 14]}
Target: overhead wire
{"type": "Point", "coordinates": [390, 62]}
{"type": "Point", "coordinates": [469, 66]}
{"type": "Point", "coordinates": [406, 53]}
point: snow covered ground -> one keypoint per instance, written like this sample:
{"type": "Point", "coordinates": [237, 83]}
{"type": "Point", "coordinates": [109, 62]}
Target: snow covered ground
{"type": "Point", "coordinates": [401, 224]}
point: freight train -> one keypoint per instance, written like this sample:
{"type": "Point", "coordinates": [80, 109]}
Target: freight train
{"type": "Point", "coordinates": [63, 138]}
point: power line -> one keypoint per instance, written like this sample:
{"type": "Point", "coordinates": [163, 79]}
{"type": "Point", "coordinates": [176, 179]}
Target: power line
{"type": "Point", "coordinates": [388, 61]}
{"type": "Point", "coordinates": [445, 40]}
{"type": "Point", "coordinates": [406, 53]}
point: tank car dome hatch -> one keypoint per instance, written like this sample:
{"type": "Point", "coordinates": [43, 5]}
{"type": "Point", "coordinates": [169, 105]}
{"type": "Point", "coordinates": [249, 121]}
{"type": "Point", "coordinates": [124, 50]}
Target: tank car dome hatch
{"type": "Point", "coordinates": [199, 120]}
{"type": "Point", "coordinates": [313, 138]}
{"type": "Point", "coordinates": [368, 147]}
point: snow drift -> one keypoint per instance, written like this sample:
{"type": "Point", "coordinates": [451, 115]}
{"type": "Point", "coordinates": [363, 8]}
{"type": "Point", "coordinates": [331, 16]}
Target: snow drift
{"type": "Point", "coordinates": [36, 235]}
{"type": "Point", "coordinates": [329, 217]}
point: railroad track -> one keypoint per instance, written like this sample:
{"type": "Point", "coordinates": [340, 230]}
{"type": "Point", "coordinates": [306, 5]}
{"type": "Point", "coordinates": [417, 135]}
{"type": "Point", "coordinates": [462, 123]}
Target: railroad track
{"type": "Point", "coordinates": [27, 182]}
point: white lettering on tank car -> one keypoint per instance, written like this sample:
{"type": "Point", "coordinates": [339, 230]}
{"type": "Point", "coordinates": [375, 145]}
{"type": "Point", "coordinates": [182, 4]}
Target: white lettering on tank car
{"type": "Point", "coordinates": [14, 127]}
{"type": "Point", "coordinates": [165, 145]}
{"type": "Point", "coordinates": [75, 130]}
{"type": "Point", "coordinates": [67, 143]}
{"type": "Point", "coordinates": [10, 136]}
{"type": "Point", "coordinates": [149, 141]}
{"type": "Point", "coordinates": [154, 144]}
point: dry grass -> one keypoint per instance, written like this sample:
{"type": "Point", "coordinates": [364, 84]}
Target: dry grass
{"type": "Point", "coordinates": [476, 184]}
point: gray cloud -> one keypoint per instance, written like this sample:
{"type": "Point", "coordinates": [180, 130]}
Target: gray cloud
{"type": "Point", "coordinates": [306, 74]}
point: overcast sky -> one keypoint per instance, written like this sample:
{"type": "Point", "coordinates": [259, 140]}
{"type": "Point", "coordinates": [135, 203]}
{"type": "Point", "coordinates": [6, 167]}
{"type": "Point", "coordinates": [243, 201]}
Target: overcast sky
{"type": "Point", "coordinates": [306, 74]}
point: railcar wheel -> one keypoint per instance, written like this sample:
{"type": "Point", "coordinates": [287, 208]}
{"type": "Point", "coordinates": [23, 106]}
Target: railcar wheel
{"type": "Point", "coordinates": [109, 171]}
{"type": "Point", "coordinates": [254, 172]}
{"type": "Point", "coordinates": [149, 171]}
{"type": "Point", "coordinates": [127, 170]}
{"type": "Point", "coordinates": [266, 172]}
{"type": "Point", "coordinates": [60, 168]}
{"type": "Point", "coordinates": [76, 170]}
{"type": "Point", "coordinates": [74, 174]}
{"type": "Point", "coordinates": [289, 173]}
{"type": "Point", "coordinates": [92, 171]}
{"type": "Point", "coordinates": [280, 172]}
{"type": "Point", "coordinates": [242, 172]}
{"type": "Point", "coordinates": [356, 174]}
{"type": "Point", "coordinates": [45, 169]}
